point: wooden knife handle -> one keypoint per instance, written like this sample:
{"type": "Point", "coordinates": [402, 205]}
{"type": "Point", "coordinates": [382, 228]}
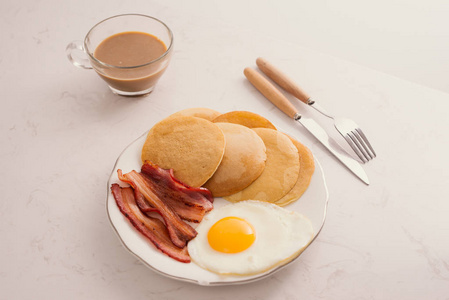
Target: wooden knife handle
{"type": "Point", "coordinates": [270, 92]}
{"type": "Point", "coordinates": [281, 79]}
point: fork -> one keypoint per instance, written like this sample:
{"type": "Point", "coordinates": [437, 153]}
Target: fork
{"type": "Point", "coordinates": [350, 131]}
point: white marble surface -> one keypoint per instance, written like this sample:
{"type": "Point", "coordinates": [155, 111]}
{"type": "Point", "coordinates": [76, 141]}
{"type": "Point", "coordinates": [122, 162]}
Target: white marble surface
{"type": "Point", "coordinates": [62, 129]}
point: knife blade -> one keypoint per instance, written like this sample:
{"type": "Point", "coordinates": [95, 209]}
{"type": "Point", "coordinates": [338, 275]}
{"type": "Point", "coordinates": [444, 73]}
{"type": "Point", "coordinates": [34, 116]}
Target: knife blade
{"type": "Point", "coordinates": [277, 98]}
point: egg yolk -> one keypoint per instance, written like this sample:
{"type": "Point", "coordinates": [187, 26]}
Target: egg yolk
{"type": "Point", "coordinates": [231, 235]}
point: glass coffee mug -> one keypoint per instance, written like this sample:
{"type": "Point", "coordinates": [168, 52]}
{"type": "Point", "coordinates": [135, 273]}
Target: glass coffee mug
{"type": "Point", "coordinates": [130, 52]}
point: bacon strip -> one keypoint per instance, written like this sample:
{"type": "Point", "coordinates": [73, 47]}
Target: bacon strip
{"type": "Point", "coordinates": [143, 204]}
{"type": "Point", "coordinates": [170, 187]}
{"type": "Point", "coordinates": [179, 231]}
{"type": "Point", "coordinates": [152, 228]}
{"type": "Point", "coordinates": [188, 213]}
{"type": "Point", "coordinates": [191, 214]}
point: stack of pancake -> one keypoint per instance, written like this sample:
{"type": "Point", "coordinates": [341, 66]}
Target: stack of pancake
{"type": "Point", "coordinates": [238, 155]}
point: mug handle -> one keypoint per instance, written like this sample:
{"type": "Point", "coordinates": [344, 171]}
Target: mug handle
{"type": "Point", "coordinates": [77, 61]}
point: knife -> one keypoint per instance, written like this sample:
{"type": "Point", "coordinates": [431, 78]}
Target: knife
{"type": "Point", "coordinates": [277, 98]}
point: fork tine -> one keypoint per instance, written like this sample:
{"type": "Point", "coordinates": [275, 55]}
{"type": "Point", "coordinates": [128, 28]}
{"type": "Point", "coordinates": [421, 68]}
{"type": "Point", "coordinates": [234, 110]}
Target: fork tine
{"type": "Point", "coordinates": [351, 143]}
{"type": "Point", "coordinates": [359, 143]}
{"type": "Point", "coordinates": [362, 143]}
{"type": "Point", "coordinates": [366, 142]}
{"type": "Point", "coordinates": [362, 146]}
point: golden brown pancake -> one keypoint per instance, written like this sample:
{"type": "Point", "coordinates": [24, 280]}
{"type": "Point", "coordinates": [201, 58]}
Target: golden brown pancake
{"type": "Point", "coordinates": [199, 112]}
{"type": "Point", "coordinates": [280, 173]}
{"type": "Point", "coordinates": [306, 171]}
{"type": "Point", "coordinates": [192, 147]}
{"type": "Point", "coordinates": [245, 118]}
{"type": "Point", "coordinates": [243, 160]}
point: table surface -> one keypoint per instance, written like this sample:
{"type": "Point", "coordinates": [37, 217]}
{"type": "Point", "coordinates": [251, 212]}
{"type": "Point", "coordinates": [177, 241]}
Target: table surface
{"type": "Point", "coordinates": [62, 130]}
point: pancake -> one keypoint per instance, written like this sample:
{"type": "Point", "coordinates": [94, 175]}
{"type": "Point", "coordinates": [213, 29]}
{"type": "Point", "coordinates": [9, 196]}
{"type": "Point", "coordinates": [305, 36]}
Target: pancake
{"type": "Point", "coordinates": [245, 118]}
{"type": "Point", "coordinates": [281, 169]}
{"type": "Point", "coordinates": [192, 147]}
{"type": "Point", "coordinates": [243, 161]}
{"type": "Point", "coordinates": [306, 171]}
{"type": "Point", "coordinates": [199, 112]}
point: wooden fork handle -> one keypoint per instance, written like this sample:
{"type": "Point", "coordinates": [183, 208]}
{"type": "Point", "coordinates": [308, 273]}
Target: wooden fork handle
{"type": "Point", "coordinates": [270, 92]}
{"type": "Point", "coordinates": [280, 78]}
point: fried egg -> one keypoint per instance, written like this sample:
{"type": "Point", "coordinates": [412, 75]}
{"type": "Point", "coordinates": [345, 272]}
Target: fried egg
{"type": "Point", "coordinates": [249, 237]}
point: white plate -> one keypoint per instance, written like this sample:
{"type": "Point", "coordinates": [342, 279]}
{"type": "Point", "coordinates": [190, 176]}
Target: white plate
{"type": "Point", "coordinates": [312, 204]}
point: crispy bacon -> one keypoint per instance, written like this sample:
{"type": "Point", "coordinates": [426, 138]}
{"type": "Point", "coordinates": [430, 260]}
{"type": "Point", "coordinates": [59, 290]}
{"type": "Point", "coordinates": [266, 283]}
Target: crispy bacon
{"type": "Point", "coordinates": [189, 203]}
{"type": "Point", "coordinates": [177, 189]}
{"type": "Point", "coordinates": [143, 204]}
{"type": "Point", "coordinates": [152, 228]}
{"type": "Point", "coordinates": [179, 231]}
{"type": "Point", "coordinates": [189, 213]}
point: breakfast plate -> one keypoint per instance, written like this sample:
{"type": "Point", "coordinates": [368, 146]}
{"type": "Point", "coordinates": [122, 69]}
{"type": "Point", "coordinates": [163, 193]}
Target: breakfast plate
{"type": "Point", "coordinates": [312, 204]}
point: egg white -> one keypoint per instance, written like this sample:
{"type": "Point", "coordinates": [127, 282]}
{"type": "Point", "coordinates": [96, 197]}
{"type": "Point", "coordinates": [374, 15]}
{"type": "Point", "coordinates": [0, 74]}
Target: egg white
{"type": "Point", "coordinates": [281, 234]}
